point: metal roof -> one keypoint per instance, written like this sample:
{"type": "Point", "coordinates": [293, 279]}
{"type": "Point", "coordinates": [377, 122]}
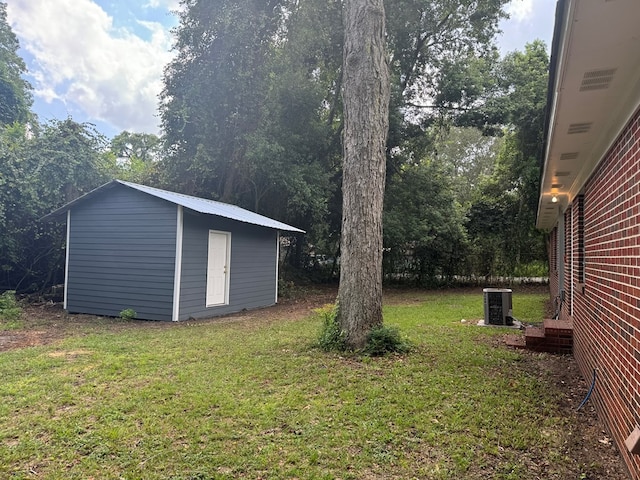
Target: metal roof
{"type": "Point", "coordinates": [200, 205]}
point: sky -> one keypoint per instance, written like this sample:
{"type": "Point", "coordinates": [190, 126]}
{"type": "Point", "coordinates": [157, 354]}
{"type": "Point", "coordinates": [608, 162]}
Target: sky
{"type": "Point", "coordinates": [101, 61]}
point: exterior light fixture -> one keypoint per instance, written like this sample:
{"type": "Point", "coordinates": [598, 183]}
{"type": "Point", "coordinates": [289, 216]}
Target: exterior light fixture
{"type": "Point", "coordinates": [554, 199]}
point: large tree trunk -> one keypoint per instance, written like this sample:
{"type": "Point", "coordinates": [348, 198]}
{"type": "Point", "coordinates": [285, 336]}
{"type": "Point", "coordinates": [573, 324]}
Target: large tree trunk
{"type": "Point", "coordinates": [366, 122]}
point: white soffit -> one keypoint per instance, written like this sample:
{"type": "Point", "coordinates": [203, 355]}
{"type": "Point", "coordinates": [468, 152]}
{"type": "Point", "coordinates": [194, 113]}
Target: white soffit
{"type": "Point", "coordinates": [596, 91]}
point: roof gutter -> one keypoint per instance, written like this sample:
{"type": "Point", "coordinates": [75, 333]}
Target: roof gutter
{"type": "Point", "coordinates": [554, 67]}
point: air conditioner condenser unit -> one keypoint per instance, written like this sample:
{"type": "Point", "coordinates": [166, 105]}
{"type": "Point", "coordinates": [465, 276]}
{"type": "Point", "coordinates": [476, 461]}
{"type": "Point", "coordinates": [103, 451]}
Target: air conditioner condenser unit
{"type": "Point", "coordinates": [498, 307]}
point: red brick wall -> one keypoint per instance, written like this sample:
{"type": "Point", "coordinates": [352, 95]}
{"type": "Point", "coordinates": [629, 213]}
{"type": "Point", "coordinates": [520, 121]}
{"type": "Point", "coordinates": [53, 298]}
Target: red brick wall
{"type": "Point", "coordinates": [607, 313]}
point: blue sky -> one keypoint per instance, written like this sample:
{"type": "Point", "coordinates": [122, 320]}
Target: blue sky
{"type": "Point", "coordinates": [101, 61]}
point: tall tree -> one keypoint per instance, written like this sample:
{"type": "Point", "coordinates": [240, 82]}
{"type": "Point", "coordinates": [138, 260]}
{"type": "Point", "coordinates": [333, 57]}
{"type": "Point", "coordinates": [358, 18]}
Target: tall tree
{"type": "Point", "coordinates": [134, 157]}
{"type": "Point", "coordinates": [366, 92]}
{"type": "Point", "coordinates": [214, 90]}
{"type": "Point", "coordinates": [15, 92]}
{"type": "Point", "coordinates": [424, 234]}
{"type": "Point", "coordinates": [252, 108]}
{"type": "Point", "coordinates": [509, 195]}
{"type": "Point", "coordinates": [468, 156]}
{"type": "Point", "coordinates": [442, 55]}
{"type": "Point", "coordinates": [145, 147]}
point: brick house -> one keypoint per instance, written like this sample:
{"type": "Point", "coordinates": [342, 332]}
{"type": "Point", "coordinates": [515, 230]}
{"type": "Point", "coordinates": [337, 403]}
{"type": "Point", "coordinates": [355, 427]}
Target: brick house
{"type": "Point", "coordinates": [590, 201]}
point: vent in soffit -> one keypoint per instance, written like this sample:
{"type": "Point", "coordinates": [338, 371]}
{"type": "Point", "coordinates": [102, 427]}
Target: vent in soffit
{"type": "Point", "coordinates": [563, 174]}
{"type": "Point", "coordinates": [576, 128]}
{"type": "Point", "coordinates": [597, 79]}
{"type": "Point", "coordinates": [557, 185]}
{"type": "Point", "coordinates": [569, 156]}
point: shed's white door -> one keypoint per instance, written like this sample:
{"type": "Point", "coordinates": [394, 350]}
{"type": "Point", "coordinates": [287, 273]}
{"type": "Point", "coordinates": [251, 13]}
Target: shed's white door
{"type": "Point", "coordinates": [218, 268]}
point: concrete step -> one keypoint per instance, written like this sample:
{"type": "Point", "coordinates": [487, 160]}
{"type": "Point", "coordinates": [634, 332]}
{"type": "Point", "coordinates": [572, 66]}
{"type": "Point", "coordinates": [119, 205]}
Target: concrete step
{"type": "Point", "coordinates": [554, 336]}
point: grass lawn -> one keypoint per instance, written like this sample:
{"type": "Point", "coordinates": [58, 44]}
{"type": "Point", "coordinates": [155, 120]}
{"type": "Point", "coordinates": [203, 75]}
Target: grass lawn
{"type": "Point", "coordinates": [253, 399]}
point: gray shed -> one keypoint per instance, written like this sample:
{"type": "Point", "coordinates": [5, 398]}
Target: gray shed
{"type": "Point", "coordinates": [166, 255]}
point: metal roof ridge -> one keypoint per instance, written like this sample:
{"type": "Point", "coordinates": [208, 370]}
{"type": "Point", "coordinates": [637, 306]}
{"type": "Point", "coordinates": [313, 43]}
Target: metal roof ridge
{"type": "Point", "coordinates": [200, 199]}
{"type": "Point", "coordinates": [189, 201]}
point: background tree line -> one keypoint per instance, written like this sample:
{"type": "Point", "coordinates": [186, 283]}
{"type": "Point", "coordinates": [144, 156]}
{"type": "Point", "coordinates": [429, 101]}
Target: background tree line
{"type": "Point", "coordinates": [252, 115]}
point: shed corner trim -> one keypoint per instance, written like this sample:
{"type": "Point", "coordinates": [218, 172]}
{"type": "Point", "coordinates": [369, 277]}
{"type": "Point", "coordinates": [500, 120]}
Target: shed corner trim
{"type": "Point", "coordinates": [177, 274]}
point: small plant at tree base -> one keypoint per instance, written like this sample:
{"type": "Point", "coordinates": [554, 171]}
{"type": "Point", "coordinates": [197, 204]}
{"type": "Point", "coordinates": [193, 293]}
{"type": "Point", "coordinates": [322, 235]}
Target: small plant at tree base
{"type": "Point", "coordinates": [331, 336]}
{"type": "Point", "coordinates": [128, 314]}
{"type": "Point", "coordinates": [10, 310]}
{"type": "Point", "coordinates": [382, 340]}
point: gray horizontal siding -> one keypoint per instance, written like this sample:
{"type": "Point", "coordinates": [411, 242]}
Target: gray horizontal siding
{"type": "Point", "coordinates": [252, 271]}
{"type": "Point", "coordinates": [122, 255]}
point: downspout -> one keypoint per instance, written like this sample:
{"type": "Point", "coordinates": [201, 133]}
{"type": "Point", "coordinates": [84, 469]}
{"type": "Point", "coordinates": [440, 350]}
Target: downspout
{"type": "Point", "coordinates": [571, 275]}
{"type": "Point", "coordinates": [560, 249]}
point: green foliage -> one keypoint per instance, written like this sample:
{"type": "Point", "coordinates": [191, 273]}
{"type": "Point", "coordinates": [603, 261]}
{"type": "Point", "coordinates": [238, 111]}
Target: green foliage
{"type": "Point", "coordinates": [331, 337]}
{"type": "Point", "coordinates": [252, 109]}
{"type": "Point", "coordinates": [10, 309]}
{"type": "Point", "coordinates": [383, 340]}
{"type": "Point", "coordinates": [467, 157]}
{"type": "Point", "coordinates": [15, 92]}
{"type": "Point", "coordinates": [424, 235]}
{"type": "Point", "coordinates": [134, 157]}
{"type": "Point", "coordinates": [435, 41]}
{"type": "Point", "coordinates": [145, 147]}
{"type": "Point", "coordinates": [41, 169]}
{"type": "Point", "coordinates": [128, 314]}
{"type": "Point", "coordinates": [214, 90]}
{"type": "Point", "coordinates": [501, 219]}
{"type": "Point", "coordinates": [535, 268]}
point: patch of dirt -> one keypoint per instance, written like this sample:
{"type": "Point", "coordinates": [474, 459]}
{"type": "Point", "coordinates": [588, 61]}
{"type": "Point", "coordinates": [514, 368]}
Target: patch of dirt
{"type": "Point", "coordinates": [588, 444]}
{"type": "Point", "coordinates": [45, 323]}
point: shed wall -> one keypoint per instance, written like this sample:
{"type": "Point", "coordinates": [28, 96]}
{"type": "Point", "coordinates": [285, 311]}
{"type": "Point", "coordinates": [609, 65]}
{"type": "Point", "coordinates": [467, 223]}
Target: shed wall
{"type": "Point", "coordinates": [121, 255]}
{"type": "Point", "coordinates": [606, 312]}
{"type": "Point", "coordinates": [252, 272]}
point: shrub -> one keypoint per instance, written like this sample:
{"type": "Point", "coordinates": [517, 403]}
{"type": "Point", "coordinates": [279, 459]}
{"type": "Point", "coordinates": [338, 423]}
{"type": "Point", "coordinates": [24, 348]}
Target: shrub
{"type": "Point", "coordinates": [383, 339]}
{"type": "Point", "coordinates": [128, 314]}
{"type": "Point", "coordinates": [331, 336]}
{"type": "Point", "coordinates": [10, 310]}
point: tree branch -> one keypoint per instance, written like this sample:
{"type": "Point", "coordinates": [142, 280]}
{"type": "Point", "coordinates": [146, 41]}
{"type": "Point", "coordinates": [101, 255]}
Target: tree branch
{"type": "Point", "coordinates": [441, 107]}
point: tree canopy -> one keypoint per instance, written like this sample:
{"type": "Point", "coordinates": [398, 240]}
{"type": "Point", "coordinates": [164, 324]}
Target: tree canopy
{"type": "Point", "coordinates": [252, 114]}
{"type": "Point", "coordinates": [15, 92]}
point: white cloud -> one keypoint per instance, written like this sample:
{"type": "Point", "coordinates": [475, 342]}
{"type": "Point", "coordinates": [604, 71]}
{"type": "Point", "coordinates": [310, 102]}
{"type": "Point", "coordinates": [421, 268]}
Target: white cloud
{"type": "Point", "coordinates": [169, 4]}
{"type": "Point", "coordinates": [520, 10]}
{"type": "Point", "coordinates": [81, 59]}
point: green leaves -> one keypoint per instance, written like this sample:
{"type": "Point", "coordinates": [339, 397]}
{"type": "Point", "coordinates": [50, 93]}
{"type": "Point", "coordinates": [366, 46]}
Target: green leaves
{"type": "Point", "coordinates": [41, 169]}
{"type": "Point", "coordinates": [15, 92]}
{"type": "Point", "coordinates": [424, 231]}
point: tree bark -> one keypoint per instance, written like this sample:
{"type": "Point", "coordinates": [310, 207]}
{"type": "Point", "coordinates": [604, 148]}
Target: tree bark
{"type": "Point", "coordinates": [365, 95]}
